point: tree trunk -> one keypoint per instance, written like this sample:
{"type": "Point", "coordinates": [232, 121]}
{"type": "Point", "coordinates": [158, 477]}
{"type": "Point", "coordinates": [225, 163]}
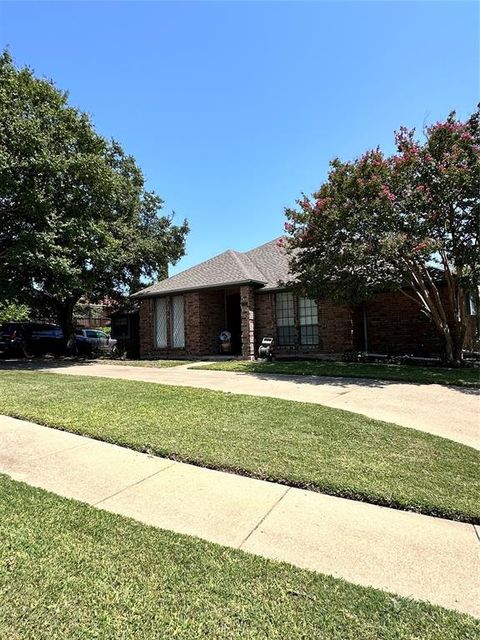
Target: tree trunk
{"type": "Point", "coordinates": [452, 327]}
{"type": "Point", "coordinates": [65, 320]}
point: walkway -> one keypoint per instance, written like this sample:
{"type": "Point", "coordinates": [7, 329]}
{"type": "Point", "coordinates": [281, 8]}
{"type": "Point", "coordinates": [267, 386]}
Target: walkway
{"type": "Point", "coordinates": [406, 553]}
{"type": "Point", "coordinates": [444, 411]}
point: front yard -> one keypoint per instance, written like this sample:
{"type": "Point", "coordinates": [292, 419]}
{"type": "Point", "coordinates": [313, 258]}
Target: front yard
{"type": "Point", "coordinates": [77, 572]}
{"type": "Point", "coordinates": [307, 445]}
{"type": "Point", "coordinates": [156, 364]}
{"type": "Point", "coordinates": [465, 377]}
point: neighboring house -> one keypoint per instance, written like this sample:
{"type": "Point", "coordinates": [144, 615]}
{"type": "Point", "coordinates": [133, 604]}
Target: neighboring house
{"type": "Point", "coordinates": [241, 292]}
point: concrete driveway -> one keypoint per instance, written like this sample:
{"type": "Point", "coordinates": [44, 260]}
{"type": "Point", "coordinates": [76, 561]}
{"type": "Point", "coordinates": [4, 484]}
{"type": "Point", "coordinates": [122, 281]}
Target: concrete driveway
{"type": "Point", "coordinates": [450, 412]}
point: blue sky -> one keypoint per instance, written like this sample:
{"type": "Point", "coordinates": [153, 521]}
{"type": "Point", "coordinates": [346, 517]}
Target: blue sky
{"type": "Point", "coordinates": [232, 109]}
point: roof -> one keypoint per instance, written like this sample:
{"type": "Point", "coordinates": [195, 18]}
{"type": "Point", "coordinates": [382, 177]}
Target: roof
{"type": "Point", "coordinates": [266, 266]}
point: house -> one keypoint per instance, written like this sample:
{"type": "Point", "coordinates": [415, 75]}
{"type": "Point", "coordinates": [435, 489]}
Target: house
{"type": "Point", "coordinates": [183, 316]}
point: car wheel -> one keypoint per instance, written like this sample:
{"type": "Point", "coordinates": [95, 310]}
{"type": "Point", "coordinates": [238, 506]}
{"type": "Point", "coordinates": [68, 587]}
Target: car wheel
{"type": "Point", "coordinates": [26, 351]}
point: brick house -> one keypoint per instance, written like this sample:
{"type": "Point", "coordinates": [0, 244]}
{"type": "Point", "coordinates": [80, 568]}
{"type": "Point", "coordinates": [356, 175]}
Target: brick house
{"type": "Point", "coordinates": [183, 316]}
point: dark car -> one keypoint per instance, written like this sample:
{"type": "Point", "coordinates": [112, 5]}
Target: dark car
{"type": "Point", "coordinates": [31, 338]}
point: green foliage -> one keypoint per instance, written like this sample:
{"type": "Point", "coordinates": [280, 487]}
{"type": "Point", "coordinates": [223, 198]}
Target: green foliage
{"type": "Point", "coordinates": [13, 311]}
{"type": "Point", "coordinates": [107, 330]}
{"type": "Point", "coordinates": [76, 218]}
{"type": "Point", "coordinates": [383, 222]}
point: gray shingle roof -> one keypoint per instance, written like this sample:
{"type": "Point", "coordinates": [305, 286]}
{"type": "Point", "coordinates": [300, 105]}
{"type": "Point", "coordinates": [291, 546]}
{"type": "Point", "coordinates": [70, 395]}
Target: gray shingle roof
{"type": "Point", "coordinates": [265, 266]}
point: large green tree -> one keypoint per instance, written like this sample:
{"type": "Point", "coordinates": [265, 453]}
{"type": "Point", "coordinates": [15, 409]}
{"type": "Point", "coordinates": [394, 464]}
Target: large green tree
{"type": "Point", "coordinates": [75, 217]}
{"type": "Point", "coordinates": [407, 222]}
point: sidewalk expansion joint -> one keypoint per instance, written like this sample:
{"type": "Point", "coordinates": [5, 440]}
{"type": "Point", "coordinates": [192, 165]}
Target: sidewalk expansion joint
{"type": "Point", "coordinates": [263, 518]}
{"type": "Point", "coordinates": [476, 528]}
{"type": "Point", "coordinates": [54, 453]}
{"type": "Point", "coordinates": [134, 484]}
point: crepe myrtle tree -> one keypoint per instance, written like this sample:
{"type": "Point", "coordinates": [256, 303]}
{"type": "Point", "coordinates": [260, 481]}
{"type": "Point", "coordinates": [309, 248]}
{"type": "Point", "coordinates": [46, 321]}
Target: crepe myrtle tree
{"type": "Point", "coordinates": [405, 222]}
{"type": "Point", "coordinates": [76, 219]}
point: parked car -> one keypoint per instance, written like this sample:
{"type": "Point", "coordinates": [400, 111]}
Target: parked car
{"type": "Point", "coordinates": [91, 340]}
{"type": "Point", "coordinates": [31, 338]}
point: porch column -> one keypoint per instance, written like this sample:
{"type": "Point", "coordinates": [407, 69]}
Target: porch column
{"type": "Point", "coordinates": [247, 308]}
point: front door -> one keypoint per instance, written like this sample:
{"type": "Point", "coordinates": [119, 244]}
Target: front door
{"type": "Point", "coordinates": [234, 321]}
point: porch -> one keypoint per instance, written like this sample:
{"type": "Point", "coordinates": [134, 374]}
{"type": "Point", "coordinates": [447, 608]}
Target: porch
{"type": "Point", "coordinates": [190, 323]}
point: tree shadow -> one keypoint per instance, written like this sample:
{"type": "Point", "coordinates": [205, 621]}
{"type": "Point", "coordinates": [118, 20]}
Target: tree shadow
{"type": "Point", "coordinates": [345, 381]}
{"type": "Point", "coordinates": [37, 364]}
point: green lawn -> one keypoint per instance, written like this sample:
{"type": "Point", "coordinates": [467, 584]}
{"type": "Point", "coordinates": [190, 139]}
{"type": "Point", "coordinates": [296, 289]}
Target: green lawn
{"type": "Point", "coordinates": [158, 364]}
{"type": "Point", "coordinates": [467, 377]}
{"type": "Point", "coordinates": [72, 572]}
{"type": "Point", "coordinates": [307, 445]}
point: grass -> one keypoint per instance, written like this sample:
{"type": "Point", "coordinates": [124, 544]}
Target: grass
{"type": "Point", "coordinates": [306, 445]}
{"type": "Point", "coordinates": [465, 377]}
{"type": "Point", "coordinates": [157, 364]}
{"type": "Point", "coordinates": [69, 571]}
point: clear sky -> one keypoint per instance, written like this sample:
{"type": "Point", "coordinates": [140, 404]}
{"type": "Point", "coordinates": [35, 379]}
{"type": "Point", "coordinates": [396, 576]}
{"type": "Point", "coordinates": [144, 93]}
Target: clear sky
{"type": "Point", "coordinates": [232, 109]}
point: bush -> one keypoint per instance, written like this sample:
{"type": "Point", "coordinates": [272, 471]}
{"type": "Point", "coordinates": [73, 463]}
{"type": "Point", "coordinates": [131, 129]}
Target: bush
{"type": "Point", "coordinates": [11, 311]}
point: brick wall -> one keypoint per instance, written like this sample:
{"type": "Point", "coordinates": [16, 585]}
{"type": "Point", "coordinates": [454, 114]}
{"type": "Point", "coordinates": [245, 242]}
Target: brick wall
{"type": "Point", "coordinates": [247, 311]}
{"type": "Point", "coordinates": [204, 320]}
{"type": "Point", "coordinates": [264, 317]}
{"type": "Point", "coordinates": [211, 322]}
{"type": "Point", "coordinates": [336, 327]}
{"type": "Point", "coordinates": [395, 325]}
{"type": "Point", "coordinates": [146, 327]}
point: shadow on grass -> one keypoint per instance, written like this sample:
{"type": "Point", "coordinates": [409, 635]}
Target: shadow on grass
{"type": "Point", "coordinates": [340, 380]}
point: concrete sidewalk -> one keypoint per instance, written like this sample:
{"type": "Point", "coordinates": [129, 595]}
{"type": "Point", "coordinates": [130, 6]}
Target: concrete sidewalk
{"type": "Point", "coordinates": [449, 412]}
{"type": "Point", "coordinates": [405, 553]}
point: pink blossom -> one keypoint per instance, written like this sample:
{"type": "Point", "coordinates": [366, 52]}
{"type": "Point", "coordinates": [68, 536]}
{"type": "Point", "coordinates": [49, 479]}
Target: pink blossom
{"type": "Point", "coordinates": [306, 204]}
{"type": "Point", "coordinates": [288, 227]}
{"type": "Point", "coordinates": [386, 192]}
{"type": "Point", "coordinates": [419, 247]}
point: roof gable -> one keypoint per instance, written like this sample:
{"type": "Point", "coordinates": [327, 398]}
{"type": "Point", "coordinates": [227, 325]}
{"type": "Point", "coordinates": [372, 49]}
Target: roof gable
{"type": "Point", "coordinates": [272, 260]}
{"type": "Point", "coordinates": [226, 269]}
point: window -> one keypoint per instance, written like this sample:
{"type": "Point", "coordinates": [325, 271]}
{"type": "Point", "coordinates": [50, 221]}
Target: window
{"type": "Point", "coordinates": [91, 334]}
{"type": "Point", "coordinates": [161, 323]}
{"type": "Point", "coordinates": [285, 306]}
{"type": "Point", "coordinates": [308, 321]}
{"type": "Point", "coordinates": [177, 328]}
{"type": "Point", "coordinates": [170, 323]}
{"type": "Point", "coordinates": [297, 321]}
